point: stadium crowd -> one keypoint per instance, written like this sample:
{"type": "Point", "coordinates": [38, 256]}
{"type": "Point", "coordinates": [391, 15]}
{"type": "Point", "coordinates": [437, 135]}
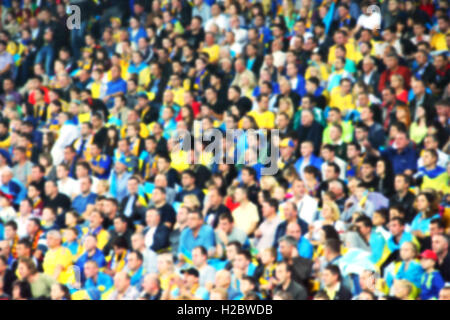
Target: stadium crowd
{"type": "Point", "coordinates": [98, 200]}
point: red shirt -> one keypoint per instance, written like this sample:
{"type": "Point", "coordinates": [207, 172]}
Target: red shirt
{"type": "Point", "coordinates": [386, 76]}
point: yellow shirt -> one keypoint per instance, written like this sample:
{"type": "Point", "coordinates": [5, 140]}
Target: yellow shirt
{"type": "Point", "coordinates": [213, 52]}
{"type": "Point", "coordinates": [144, 133]}
{"type": "Point", "coordinates": [179, 160]}
{"type": "Point", "coordinates": [265, 120]}
{"type": "Point", "coordinates": [343, 103]}
{"type": "Point", "coordinates": [351, 53]}
{"type": "Point", "coordinates": [323, 71]}
{"type": "Point", "coordinates": [96, 89]}
{"type": "Point", "coordinates": [58, 257]}
{"type": "Point", "coordinates": [178, 96]}
{"type": "Point", "coordinates": [438, 41]}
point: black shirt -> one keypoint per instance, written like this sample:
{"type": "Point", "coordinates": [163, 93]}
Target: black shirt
{"type": "Point", "coordinates": [214, 214]}
{"type": "Point", "coordinates": [61, 201]}
{"type": "Point", "coordinates": [444, 268]}
{"type": "Point", "coordinates": [297, 291]}
{"type": "Point", "coordinates": [167, 214]}
{"type": "Point", "coordinates": [407, 204]}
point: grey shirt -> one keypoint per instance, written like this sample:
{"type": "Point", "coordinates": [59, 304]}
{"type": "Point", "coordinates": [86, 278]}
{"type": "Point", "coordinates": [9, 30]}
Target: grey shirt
{"type": "Point", "coordinates": [21, 173]}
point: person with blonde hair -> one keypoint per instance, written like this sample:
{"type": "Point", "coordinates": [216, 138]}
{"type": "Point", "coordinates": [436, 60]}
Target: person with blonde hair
{"type": "Point", "coordinates": [329, 216]}
{"type": "Point", "coordinates": [403, 289]}
{"type": "Point", "coordinates": [285, 105]}
{"type": "Point", "coordinates": [166, 269]}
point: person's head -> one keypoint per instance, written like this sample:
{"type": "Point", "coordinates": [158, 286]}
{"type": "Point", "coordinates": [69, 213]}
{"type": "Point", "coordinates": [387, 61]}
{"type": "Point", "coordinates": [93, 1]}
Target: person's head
{"type": "Point", "coordinates": [21, 289]}
{"type": "Point", "coordinates": [332, 248]}
{"type": "Point", "coordinates": [306, 149]}
{"type": "Point", "coordinates": [396, 226]}
{"type": "Point", "coordinates": [199, 256]}
{"type": "Point", "coordinates": [135, 260]}
{"type": "Point", "coordinates": [226, 222]}
{"type": "Point", "coordinates": [54, 239]}
{"type": "Point", "coordinates": [437, 226]}
{"type": "Point", "coordinates": [232, 250]}
{"type": "Point", "coordinates": [120, 224]}
{"type": "Point", "coordinates": [401, 183]}
{"type": "Point", "coordinates": [85, 185]}
{"type": "Point", "coordinates": [408, 251]}
{"type": "Point", "coordinates": [444, 294]}
{"type": "Point", "coordinates": [367, 280]}
{"type": "Point", "coordinates": [331, 275]}
{"type": "Point", "coordinates": [428, 259]}
{"type": "Point", "coordinates": [49, 215]}
{"type": "Point", "coordinates": [330, 211]}
{"type": "Point", "coordinates": [242, 260]}
{"type": "Point", "coordinates": [439, 244]}
{"type": "Point", "coordinates": [96, 219]}
{"type": "Point", "coordinates": [191, 277]}
{"type": "Point", "coordinates": [269, 208]}
{"type": "Point", "coordinates": [286, 245]}
{"type": "Point", "coordinates": [380, 217]}
{"type": "Point", "coordinates": [294, 230]}
{"type": "Point", "coordinates": [26, 268]}
{"type": "Point", "coordinates": [121, 281]}
{"type": "Point", "coordinates": [10, 230]}
{"type": "Point", "coordinates": [402, 289]}
{"type": "Point", "coordinates": [188, 179]}
{"type": "Point", "coordinates": [241, 194]}
{"type": "Point", "coordinates": [59, 292]}
{"type": "Point", "coordinates": [195, 220]}
{"type": "Point", "coordinates": [151, 283]}
{"type": "Point", "coordinates": [90, 243]}
{"type": "Point", "coordinates": [23, 248]}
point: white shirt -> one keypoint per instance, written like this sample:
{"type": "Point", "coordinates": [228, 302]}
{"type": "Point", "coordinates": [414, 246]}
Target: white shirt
{"type": "Point", "coordinates": [221, 21]}
{"type": "Point", "coordinates": [68, 134]}
{"type": "Point", "coordinates": [369, 21]}
{"type": "Point", "coordinates": [149, 237]}
{"type": "Point", "coordinates": [340, 163]}
{"type": "Point", "coordinates": [307, 208]}
{"type": "Point", "coordinates": [70, 187]}
{"type": "Point", "coordinates": [443, 158]}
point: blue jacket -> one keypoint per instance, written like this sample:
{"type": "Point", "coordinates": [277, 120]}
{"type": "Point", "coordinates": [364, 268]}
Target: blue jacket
{"type": "Point", "coordinates": [160, 238]}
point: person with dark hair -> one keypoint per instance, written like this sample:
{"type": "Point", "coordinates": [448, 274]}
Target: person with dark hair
{"type": "Point", "coordinates": [227, 233]}
{"type": "Point", "coordinates": [403, 196]}
{"type": "Point", "coordinates": [117, 256]}
{"type": "Point", "coordinates": [21, 290]}
{"type": "Point", "coordinates": [189, 187]}
{"type": "Point", "coordinates": [301, 267]}
{"type": "Point", "coordinates": [333, 286]}
{"type": "Point", "coordinates": [265, 233]}
{"type": "Point", "coordinates": [283, 274]}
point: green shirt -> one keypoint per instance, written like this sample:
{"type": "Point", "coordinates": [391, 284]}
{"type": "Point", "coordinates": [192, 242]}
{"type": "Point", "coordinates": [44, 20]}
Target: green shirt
{"type": "Point", "coordinates": [41, 287]}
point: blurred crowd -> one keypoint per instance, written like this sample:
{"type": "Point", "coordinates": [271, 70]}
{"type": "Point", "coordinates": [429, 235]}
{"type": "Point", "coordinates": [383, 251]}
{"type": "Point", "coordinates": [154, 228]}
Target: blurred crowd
{"type": "Point", "coordinates": [100, 198]}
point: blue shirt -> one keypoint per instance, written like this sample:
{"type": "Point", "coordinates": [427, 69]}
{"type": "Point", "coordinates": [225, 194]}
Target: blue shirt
{"type": "Point", "coordinates": [116, 86]}
{"type": "Point", "coordinates": [430, 285]}
{"type": "Point", "coordinates": [406, 237]}
{"type": "Point", "coordinates": [102, 161]}
{"type": "Point", "coordinates": [98, 257]}
{"type": "Point", "coordinates": [406, 159]}
{"type": "Point", "coordinates": [119, 185]}
{"type": "Point", "coordinates": [422, 224]}
{"type": "Point", "coordinates": [80, 202]}
{"type": "Point", "coordinates": [103, 284]}
{"type": "Point", "coordinates": [205, 238]}
{"type": "Point", "coordinates": [377, 244]}
{"type": "Point", "coordinates": [413, 274]}
{"type": "Point", "coordinates": [136, 278]}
